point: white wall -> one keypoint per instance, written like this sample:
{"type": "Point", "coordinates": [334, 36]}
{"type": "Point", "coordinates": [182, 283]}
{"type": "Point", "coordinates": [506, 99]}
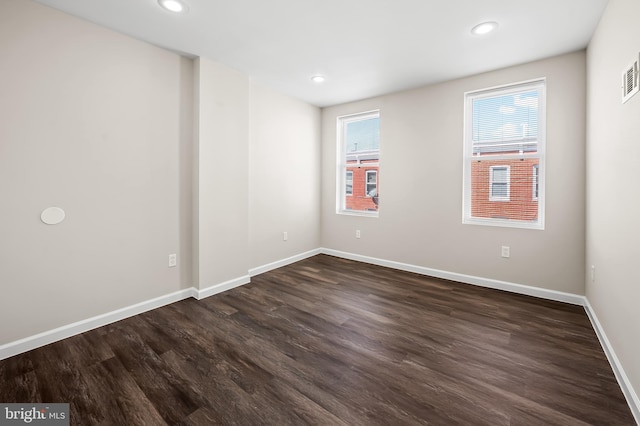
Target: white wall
{"type": "Point", "coordinates": [98, 124]}
{"type": "Point", "coordinates": [284, 176]}
{"type": "Point", "coordinates": [420, 216]}
{"type": "Point", "coordinates": [613, 199]}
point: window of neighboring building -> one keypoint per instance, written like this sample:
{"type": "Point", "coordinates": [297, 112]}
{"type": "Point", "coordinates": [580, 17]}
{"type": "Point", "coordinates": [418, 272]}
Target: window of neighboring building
{"type": "Point", "coordinates": [535, 181]}
{"type": "Point", "coordinates": [499, 181]}
{"type": "Point", "coordinates": [371, 183]}
{"type": "Point", "coordinates": [358, 163]}
{"type": "Point", "coordinates": [504, 140]}
{"type": "Point", "coordinates": [348, 190]}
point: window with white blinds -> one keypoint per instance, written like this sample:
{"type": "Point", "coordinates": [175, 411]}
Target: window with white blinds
{"type": "Point", "coordinates": [358, 172]}
{"type": "Point", "coordinates": [504, 147]}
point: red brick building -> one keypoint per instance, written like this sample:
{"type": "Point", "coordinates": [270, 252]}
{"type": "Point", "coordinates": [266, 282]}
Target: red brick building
{"type": "Point", "coordinates": [362, 186]}
{"type": "Point", "coordinates": [505, 189]}
{"type": "Point", "coordinates": [362, 180]}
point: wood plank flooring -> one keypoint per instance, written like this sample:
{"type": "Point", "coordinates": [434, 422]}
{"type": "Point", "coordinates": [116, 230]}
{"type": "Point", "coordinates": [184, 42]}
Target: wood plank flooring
{"type": "Point", "coordinates": [330, 341]}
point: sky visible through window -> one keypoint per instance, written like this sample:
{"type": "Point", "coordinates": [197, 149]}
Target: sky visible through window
{"type": "Point", "coordinates": [506, 117]}
{"type": "Point", "coordinates": [363, 135]}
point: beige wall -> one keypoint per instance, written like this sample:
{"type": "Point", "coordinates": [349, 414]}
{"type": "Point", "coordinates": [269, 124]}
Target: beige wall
{"type": "Point", "coordinates": [256, 173]}
{"type": "Point", "coordinates": [284, 176]}
{"type": "Point", "coordinates": [420, 217]}
{"type": "Point", "coordinates": [98, 124]}
{"type": "Point", "coordinates": [613, 200]}
{"type": "Point", "coordinates": [149, 154]}
{"type": "Point", "coordinates": [102, 125]}
{"type": "Point", "coordinates": [221, 182]}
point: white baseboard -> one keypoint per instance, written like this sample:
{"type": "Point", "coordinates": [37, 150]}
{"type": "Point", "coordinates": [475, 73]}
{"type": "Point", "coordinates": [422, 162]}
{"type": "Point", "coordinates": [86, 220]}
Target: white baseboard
{"type": "Point", "coordinates": [228, 285]}
{"type": "Point", "coordinates": [284, 262]}
{"type": "Point", "coordinates": [623, 380]}
{"type": "Point", "coordinates": [468, 279]}
{"type": "Point", "coordinates": [32, 342]}
{"type": "Point", "coordinates": [219, 288]}
{"type": "Point", "coordinates": [47, 337]}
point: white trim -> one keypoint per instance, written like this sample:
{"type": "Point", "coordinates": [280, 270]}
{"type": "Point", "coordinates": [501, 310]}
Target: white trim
{"type": "Point", "coordinates": [361, 213]}
{"type": "Point", "coordinates": [543, 293]}
{"type": "Point", "coordinates": [32, 342]}
{"type": "Point", "coordinates": [575, 299]}
{"type": "Point", "coordinates": [50, 336]}
{"type": "Point", "coordinates": [219, 288]}
{"type": "Point", "coordinates": [502, 223]}
{"type": "Point", "coordinates": [284, 262]}
{"type": "Point", "coordinates": [623, 380]}
{"type": "Point", "coordinates": [509, 87]}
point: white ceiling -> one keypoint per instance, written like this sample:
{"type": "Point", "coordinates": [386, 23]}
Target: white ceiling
{"type": "Point", "coordinates": [364, 47]}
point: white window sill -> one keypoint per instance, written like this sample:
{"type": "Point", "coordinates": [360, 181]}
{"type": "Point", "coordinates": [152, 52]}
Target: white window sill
{"type": "Point", "coordinates": [503, 223]}
{"type": "Point", "coordinates": [357, 213]}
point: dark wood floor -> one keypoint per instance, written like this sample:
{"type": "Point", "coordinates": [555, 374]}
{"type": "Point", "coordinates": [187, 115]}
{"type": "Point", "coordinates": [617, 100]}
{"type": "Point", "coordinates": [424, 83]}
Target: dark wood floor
{"type": "Point", "coordinates": [335, 342]}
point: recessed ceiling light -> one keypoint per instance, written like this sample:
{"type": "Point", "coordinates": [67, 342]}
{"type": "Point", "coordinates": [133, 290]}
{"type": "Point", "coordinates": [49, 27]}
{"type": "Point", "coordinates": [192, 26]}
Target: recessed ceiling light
{"type": "Point", "coordinates": [484, 28]}
{"type": "Point", "coordinates": [318, 78]}
{"type": "Point", "coordinates": [172, 5]}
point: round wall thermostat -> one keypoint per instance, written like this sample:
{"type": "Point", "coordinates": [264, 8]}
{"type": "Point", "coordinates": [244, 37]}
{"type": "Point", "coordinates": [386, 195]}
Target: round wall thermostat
{"type": "Point", "coordinates": [52, 215]}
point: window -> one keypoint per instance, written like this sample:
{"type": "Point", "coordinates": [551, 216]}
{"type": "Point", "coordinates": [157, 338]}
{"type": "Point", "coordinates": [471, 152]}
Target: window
{"type": "Point", "coordinates": [358, 163]}
{"type": "Point", "coordinates": [535, 181]}
{"type": "Point", "coordinates": [504, 141]}
{"type": "Point", "coordinates": [499, 181]}
{"type": "Point", "coordinates": [371, 183]}
{"type": "Point", "coordinates": [348, 189]}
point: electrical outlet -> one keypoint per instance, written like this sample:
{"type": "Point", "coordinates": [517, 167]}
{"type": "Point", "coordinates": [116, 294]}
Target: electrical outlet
{"type": "Point", "coordinates": [173, 260]}
{"type": "Point", "coordinates": [285, 236]}
{"type": "Point", "coordinates": [357, 233]}
{"type": "Point", "coordinates": [506, 251]}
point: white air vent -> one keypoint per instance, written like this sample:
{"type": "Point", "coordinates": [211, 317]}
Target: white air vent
{"type": "Point", "coordinates": [630, 81]}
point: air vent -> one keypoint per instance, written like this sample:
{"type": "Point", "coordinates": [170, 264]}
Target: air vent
{"type": "Point", "coordinates": [630, 81]}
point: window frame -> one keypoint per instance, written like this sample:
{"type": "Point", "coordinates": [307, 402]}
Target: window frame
{"type": "Point", "coordinates": [538, 84]}
{"type": "Point", "coordinates": [341, 163]}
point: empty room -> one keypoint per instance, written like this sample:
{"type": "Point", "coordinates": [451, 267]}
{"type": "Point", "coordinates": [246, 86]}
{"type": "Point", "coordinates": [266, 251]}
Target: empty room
{"type": "Point", "coordinates": [349, 213]}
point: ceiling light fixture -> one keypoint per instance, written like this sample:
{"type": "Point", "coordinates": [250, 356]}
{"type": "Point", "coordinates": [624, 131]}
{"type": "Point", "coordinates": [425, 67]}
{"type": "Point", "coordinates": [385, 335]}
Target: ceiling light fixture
{"type": "Point", "coordinates": [172, 5]}
{"type": "Point", "coordinates": [318, 78]}
{"type": "Point", "coordinates": [484, 28]}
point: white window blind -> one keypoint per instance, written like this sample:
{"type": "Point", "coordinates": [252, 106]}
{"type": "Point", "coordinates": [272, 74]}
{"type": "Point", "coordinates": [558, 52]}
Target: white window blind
{"type": "Point", "coordinates": [504, 141]}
